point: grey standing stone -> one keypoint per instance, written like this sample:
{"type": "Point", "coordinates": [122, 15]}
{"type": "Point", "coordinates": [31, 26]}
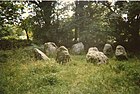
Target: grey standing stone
{"type": "Point", "coordinates": [78, 48]}
{"type": "Point", "coordinates": [50, 48]}
{"type": "Point", "coordinates": [107, 50]}
{"type": "Point", "coordinates": [63, 55]}
{"type": "Point", "coordinates": [120, 53]}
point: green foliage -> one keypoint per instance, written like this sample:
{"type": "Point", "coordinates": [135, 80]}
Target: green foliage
{"type": "Point", "coordinates": [26, 25]}
{"type": "Point", "coordinates": [11, 42]}
{"type": "Point", "coordinates": [42, 21]}
{"type": "Point", "coordinates": [9, 14]}
{"type": "Point", "coordinates": [9, 11]}
{"type": "Point", "coordinates": [125, 29]}
{"type": "Point", "coordinates": [21, 74]}
{"type": "Point", "coordinates": [92, 23]}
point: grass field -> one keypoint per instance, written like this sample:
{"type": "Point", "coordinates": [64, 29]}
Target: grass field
{"type": "Point", "coordinates": [21, 74]}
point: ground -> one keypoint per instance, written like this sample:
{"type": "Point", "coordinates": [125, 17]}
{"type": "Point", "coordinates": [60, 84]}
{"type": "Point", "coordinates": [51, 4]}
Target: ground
{"type": "Point", "coordinates": [20, 73]}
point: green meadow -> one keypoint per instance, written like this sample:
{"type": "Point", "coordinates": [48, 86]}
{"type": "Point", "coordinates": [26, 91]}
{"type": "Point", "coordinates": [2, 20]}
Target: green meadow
{"type": "Point", "coordinates": [20, 73]}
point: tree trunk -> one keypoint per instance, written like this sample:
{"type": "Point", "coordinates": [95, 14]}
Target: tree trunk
{"type": "Point", "coordinates": [27, 35]}
{"type": "Point", "coordinates": [76, 26]}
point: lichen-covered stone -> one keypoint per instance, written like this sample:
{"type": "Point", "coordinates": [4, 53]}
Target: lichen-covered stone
{"type": "Point", "coordinates": [93, 49]}
{"type": "Point", "coordinates": [120, 53]}
{"type": "Point", "coordinates": [63, 55]}
{"type": "Point", "coordinates": [95, 56]}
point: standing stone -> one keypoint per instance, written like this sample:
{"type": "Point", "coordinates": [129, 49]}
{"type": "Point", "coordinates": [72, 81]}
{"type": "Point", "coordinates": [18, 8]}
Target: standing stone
{"type": "Point", "coordinates": [108, 50]}
{"type": "Point", "coordinates": [78, 48]}
{"type": "Point", "coordinates": [63, 55]}
{"type": "Point", "coordinates": [95, 56]}
{"type": "Point", "coordinates": [50, 48]}
{"type": "Point", "coordinates": [93, 49]}
{"type": "Point", "coordinates": [39, 55]}
{"type": "Point", "coordinates": [120, 53]}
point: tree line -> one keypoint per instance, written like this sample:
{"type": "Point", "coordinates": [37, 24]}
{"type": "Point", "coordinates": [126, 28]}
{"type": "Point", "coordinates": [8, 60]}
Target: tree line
{"type": "Point", "coordinates": [93, 22]}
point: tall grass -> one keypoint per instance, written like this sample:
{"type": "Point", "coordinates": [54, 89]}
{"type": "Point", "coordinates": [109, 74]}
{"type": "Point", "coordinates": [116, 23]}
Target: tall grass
{"type": "Point", "coordinates": [21, 74]}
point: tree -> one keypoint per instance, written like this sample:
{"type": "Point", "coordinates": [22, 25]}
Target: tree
{"type": "Point", "coordinates": [43, 20]}
{"type": "Point", "coordinates": [90, 23]}
{"type": "Point", "coordinates": [126, 29]}
{"type": "Point", "coordinates": [62, 27]}
{"type": "Point", "coordinates": [27, 26]}
{"type": "Point", "coordinates": [9, 14]}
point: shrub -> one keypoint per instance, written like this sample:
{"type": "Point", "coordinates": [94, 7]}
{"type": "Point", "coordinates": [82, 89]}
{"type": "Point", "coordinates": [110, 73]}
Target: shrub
{"type": "Point", "coordinates": [7, 44]}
